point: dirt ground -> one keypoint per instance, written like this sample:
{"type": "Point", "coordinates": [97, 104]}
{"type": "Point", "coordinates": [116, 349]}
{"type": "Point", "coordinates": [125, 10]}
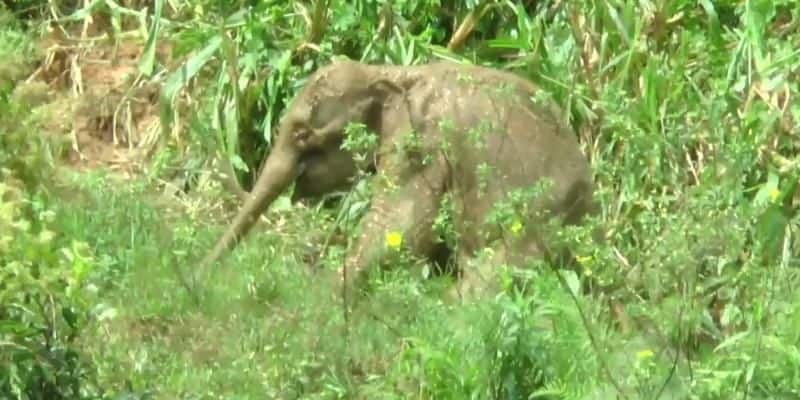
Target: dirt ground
{"type": "Point", "coordinates": [89, 96]}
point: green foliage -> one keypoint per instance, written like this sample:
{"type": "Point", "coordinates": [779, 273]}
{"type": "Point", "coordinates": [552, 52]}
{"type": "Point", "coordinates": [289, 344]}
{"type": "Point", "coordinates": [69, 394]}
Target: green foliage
{"type": "Point", "coordinates": [45, 296]}
{"type": "Point", "coordinates": [44, 303]}
{"type": "Point", "coordinates": [686, 109]}
{"type": "Point", "coordinates": [517, 206]}
{"type": "Point", "coordinates": [360, 142]}
{"type": "Point", "coordinates": [22, 157]}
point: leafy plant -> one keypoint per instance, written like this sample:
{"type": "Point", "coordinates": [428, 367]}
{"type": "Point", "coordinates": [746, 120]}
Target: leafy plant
{"type": "Point", "coordinates": [686, 110]}
{"type": "Point", "coordinates": [45, 296]}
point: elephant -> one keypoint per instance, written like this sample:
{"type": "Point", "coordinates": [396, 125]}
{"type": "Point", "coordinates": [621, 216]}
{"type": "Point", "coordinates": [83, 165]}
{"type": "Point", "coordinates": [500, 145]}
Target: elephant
{"type": "Point", "coordinates": [475, 135]}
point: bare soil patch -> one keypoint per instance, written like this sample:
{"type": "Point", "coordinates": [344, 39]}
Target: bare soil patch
{"type": "Point", "coordinates": [88, 92]}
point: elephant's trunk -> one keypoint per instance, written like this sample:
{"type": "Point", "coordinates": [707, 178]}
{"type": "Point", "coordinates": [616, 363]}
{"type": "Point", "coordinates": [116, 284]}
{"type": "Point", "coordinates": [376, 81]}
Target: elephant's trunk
{"type": "Point", "coordinates": [278, 172]}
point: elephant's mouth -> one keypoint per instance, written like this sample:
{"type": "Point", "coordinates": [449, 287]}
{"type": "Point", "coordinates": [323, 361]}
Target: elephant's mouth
{"type": "Point", "coordinates": [306, 163]}
{"type": "Point", "coordinates": [308, 179]}
{"type": "Point", "coordinates": [302, 166]}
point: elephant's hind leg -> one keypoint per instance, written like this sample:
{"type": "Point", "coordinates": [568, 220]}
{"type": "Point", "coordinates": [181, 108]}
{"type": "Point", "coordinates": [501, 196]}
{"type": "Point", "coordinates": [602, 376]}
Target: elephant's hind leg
{"type": "Point", "coordinates": [479, 273]}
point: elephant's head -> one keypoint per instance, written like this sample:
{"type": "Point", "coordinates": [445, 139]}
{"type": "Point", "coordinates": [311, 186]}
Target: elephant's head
{"type": "Point", "coordinates": [307, 149]}
{"type": "Point", "coordinates": [322, 172]}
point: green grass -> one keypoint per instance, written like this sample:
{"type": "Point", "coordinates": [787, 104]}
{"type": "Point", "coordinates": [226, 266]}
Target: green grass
{"type": "Point", "coordinates": [268, 327]}
{"type": "Point", "coordinates": [687, 109]}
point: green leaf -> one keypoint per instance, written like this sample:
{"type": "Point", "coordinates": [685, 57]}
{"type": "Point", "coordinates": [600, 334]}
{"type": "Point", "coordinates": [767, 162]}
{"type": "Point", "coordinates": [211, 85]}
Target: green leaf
{"type": "Point", "coordinates": [147, 61]}
{"type": "Point", "coordinates": [573, 282]}
{"type": "Point", "coordinates": [771, 225]}
{"type": "Point", "coordinates": [82, 13]}
{"type": "Point", "coordinates": [714, 27]}
{"type": "Point", "coordinates": [180, 77]}
{"type": "Point", "coordinates": [237, 162]}
{"type": "Point", "coordinates": [507, 43]}
{"type": "Point", "coordinates": [767, 191]}
{"type": "Point", "coordinates": [282, 203]}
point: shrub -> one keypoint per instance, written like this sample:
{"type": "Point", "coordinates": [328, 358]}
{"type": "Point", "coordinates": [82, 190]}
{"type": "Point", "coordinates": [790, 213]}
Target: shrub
{"type": "Point", "coordinates": [44, 297]}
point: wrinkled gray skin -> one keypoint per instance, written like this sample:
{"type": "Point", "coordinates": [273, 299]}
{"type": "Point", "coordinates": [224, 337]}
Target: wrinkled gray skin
{"type": "Point", "coordinates": [444, 103]}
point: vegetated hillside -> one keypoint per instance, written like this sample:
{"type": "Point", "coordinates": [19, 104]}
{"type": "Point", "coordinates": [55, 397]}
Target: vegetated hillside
{"type": "Point", "coordinates": [127, 130]}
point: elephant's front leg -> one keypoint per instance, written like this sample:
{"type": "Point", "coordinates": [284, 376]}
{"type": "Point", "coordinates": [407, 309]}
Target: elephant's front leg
{"type": "Point", "coordinates": [399, 219]}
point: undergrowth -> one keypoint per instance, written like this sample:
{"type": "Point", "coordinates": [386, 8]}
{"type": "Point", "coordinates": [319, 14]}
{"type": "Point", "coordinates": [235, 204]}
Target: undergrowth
{"type": "Point", "coordinates": [687, 111]}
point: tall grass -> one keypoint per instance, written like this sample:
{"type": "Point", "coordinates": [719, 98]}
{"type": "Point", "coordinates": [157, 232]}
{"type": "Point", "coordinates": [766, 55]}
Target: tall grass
{"type": "Point", "coordinates": [686, 109]}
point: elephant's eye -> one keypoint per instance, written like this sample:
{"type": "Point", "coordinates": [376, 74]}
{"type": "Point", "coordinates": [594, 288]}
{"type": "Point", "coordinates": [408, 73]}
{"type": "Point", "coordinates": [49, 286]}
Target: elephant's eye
{"type": "Point", "coordinates": [301, 134]}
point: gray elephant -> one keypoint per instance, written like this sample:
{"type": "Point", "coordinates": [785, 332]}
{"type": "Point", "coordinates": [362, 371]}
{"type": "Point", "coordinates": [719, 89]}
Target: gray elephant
{"type": "Point", "coordinates": [479, 138]}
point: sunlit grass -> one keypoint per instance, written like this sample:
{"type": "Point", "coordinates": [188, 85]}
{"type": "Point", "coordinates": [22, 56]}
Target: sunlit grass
{"type": "Point", "coordinates": [686, 110]}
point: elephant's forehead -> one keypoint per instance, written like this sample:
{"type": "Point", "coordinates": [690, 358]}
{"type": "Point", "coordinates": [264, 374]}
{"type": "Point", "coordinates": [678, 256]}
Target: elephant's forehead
{"type": "Point", "coordinates": [333, 80]}
{"type": "Point", "coordinates": [327, 89]}
{"type": "Point", "coordinates": [317, 96]}
{"type": "Point", "coordinates": [301, 109]}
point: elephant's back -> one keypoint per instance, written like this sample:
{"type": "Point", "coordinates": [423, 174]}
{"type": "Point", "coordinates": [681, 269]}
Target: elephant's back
{"type": "Point", "coordinates": [491, 116]}
{"type": "Point", "coordinates": [488, 116]}
{"type": "Point", "coordinates": [499, 139]}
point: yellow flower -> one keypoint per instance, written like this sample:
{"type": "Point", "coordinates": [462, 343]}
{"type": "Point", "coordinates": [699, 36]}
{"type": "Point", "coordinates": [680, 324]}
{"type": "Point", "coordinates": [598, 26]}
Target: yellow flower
{"type": "Point", "coordinates": [644, 354]}
{"type": "Point", "coordinates": [516, 227]}
{"type": "Point", "coordinates": [774, 193]}
{"type": "Point", "coordinates": [583, 260]}
{"type": "Point", "coordinates": [394, 239]}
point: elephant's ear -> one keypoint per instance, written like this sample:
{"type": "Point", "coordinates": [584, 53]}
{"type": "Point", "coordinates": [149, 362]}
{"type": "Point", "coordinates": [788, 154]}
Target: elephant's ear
{"type": "Point", "coordinates": [384, 86]}
{"type": "Point", "coordinates": [387, 92]}
{"type": "Point", "coordinates": [396, 115]}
